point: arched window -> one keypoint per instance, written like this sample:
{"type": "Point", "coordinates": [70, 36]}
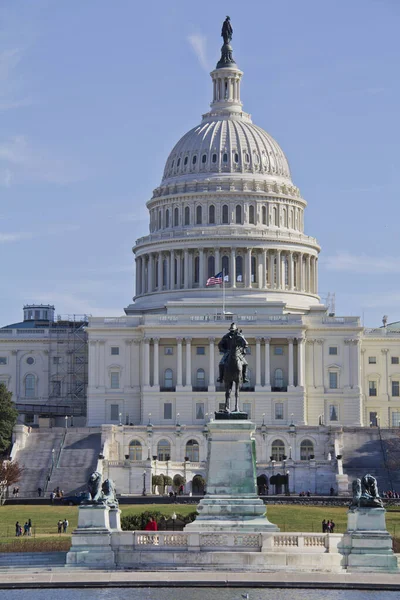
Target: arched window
{"type": "Point", "coordinates": [200, 378]}
{"type": "Point", "coordinates": [167, 218]}
{"type": "Point", "coordinates": [278, 378]}
{"type": "Point", "coordinates": [239, 268]}
{"type": "Point", "coordinates": [176, 217]}
{"type": "Point", "coordinates": [251, 215]}
{"type": "Point", "coordinates": [225, 214]}
{"type": "Point", "coordinates": [30, 386]}
{"type": "Point", "coordinates": [290, 223]}
{"type": "Point", "coordinates": [214, 158]}
{"type": "Point", "coordinates": [236, 157]}
{"type": "Point", "coordinates": [179, 162]}
{"type": "Point", "coordinates": [225, 265]}
{"type": "Point", "coordinates": [135, 450]}
{"type": "Point", "coordinates": [211, 267]}
{"type": "Point", "coordinates": [194, 160]}
{"type": "Point", "coordinates": [211, 214]}
{"type": "Point", "coordinates": [306, 450]}
{"type": "Point", "coordinates": [168, 378]}
{"type": "Point", "coordinates": [277, 450]}
{"type": "Point", "coordinates": [253, 269]}
{"type": "Point", "coordinates": [284, 217]}
{"type": "Point", "coordinates": [275, 216]}
{"type": "Point", "coordinates": [238, 214]}
{"type": "Point", "coordinates": [225, 157]}
{"type": "Point", "coordinates": [198, 215]}
{"type": "Point", "coordinates": [204, 159]}
{"type": "Point", "coordinates": [246, 158]}
{"type": "Point", "coordinates": [165, 273]}
{"type": "Point", "coordinates": [187, 215]}
{"type": "Point", "coordinates": [193, 451]}
{"type": "Point", "coordinates": [196, 269]}
{"type": "Point", "coordinates": [163, 450]}
{"type": "Point", "coordinates": [159, 219]}
{"type": "Point", "coordinates": [264, 215]}
{"type": "Point", "coordinates": [185, 162]}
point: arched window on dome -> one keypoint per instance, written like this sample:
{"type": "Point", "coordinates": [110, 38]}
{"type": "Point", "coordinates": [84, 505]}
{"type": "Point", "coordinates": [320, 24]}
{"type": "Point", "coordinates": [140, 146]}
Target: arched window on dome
{"type": "Point", "coordinates": [196, 269]}
{"type": "Point", "coordinates": [167, 218]}
{"type": "Point", "coordinates": [176, 217]}
{"type": "Point", "coordinates": [275, 216]}
{"type": "Point", "coordinates": [247, 158]}
{"type": "Point", "coordinates": [135, 450]}
{"type": "Point", "coordinates": [193, 451]}
{"type": "Point", "coordinates": [306, 450]}
{"type": "Point", "coordinates": [187, 215]}
{"type": "Point", "coordinates": [199, 215]}
{"type": "Point", "coordinates": [194, 160]}
{"type": "Point", "coordinates": [185, 162]}
{"type": "Point", "coordinates": [264, 215]}
{"type": "Point", "coordinates": [204, 159]}
{"type": "Point", "coordinates": [172, 165]}
{"type": "Point", "coordinates": [214, 158]}
{"type": "Point", "coordinates": [251, 215]}
{"type": "Point", "coordinates": [238, 212]}
{"type": "Point", "coordinates": [211, 214]}
{"type": "Point", "coordinates": [225, 265]}
{"type": "Point", "coordinates": [235, 157]}
{"type": "Point", "coordinates": [165, 273]}
{"type": "Point", "coordinates": [290, 219]}
{"type": "Point", "coordinates": [178, 163]}
{"type": "Point", "coordinates": [284, 217]}
{"type": "Point", "coordinates": [253, 269]}
{"type": "Point", "coordinates": [256, 159]}
{"type": "Point", "coordinates": [225, 157]}
{"type": "Point", "coordinates": [211, 268]}
{"type": "Point", "coordinates": [159, 219]}
{"type": "Point", "coordinates": [225, 214]}
{"type": "Point", "coordinates": [239, 269]}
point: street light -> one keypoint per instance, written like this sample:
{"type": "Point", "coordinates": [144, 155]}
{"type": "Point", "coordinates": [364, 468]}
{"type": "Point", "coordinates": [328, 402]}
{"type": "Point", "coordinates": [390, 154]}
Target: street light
{"type": "Point", "coordinates": [66, 421]}
{"type": "Point", "coordinates": [173, 517]}
{"type": "Point", "coordinates": [120, 419]}
{"type": "Point", "coordinates": [144, 484]}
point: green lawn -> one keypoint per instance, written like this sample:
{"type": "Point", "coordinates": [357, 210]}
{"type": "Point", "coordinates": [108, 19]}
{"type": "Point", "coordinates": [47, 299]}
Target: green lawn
{"type": "Point", "coordinates": [287, 517]}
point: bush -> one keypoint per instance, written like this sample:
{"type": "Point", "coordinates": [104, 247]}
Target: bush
{"type": "Point", "coordinates": [138, 522]}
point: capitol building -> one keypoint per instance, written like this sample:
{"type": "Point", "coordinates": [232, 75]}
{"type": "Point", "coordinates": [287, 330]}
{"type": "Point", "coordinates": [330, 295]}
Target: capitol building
{"type": "Point", "coordinates": [319, 384]}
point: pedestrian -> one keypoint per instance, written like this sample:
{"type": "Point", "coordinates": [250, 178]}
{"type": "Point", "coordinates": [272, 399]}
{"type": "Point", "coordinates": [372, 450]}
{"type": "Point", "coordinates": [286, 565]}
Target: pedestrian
{"type": "Point", "coordinates": [324, 526]}
{"type": "Point", "coordinates": [17, 532]}
{"type": "Point", "coordinates": [59, 526]}
{"type": "Point", "coordinates": [332, 526]}
{"type": "Point", "coordinates": [52, 496]}
{"type": "Point", "coordinates": [39, 491]}
{"type": "Point", "coordinates": [332, 491]}
{"type": "Point", "coordinates": [151, 525]}
{"type": "Point", "coordinates": [17, 491]}
{"type": "Point", "coordinates": [26, 528]}
{"type": "Point", "coordinates": [29, 527]}
{"type": "Point", "coordinates": [65, 525]}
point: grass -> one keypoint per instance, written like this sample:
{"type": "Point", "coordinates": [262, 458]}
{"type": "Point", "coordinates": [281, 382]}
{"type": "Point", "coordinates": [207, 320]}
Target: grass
{"type": "Point", "coordinates": [45, 536]}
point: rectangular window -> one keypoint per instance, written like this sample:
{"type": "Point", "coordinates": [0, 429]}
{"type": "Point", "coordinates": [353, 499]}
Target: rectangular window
{"type": "Point", "coordinates": [333, 350]}
{"type": "Point", "coordinates": [115, 381]}
{"type": "Point", "coordinates": [333, 380]}
{"type": "Point", "coordinates": [395, 360]}
{"type": "Point", "coordinates": [3, 360]}
{"type": "Point", "coordinates": [200, 350]}
{"type": "Point", "coordinates": [396, 419]}
{"type": "Point", "coordinates": [279, 411]}
{"type": "Point", "coordinates": [167, 410]}
{"type": "Point", "coordinates": [278, 350]}
{"type": "Point", "coordinates": [247, 408]}
{"type": "Point", "coordinates": [372, 388]}
{"type": "Point", "coordinates": [199, 410]}
{"type": "Point", "coordinates": [373, 419]}
{"type": "Point", "coordinates": [168, 350]}
{"type": "Point", "coordinates": [56, 360]}
{"type": "Point", "coordinates": [372, 360]}
{"type": "Point", "coordinates": [333, 412]}
{"type": "Point", "coordinates": [114, 351]}
{"type": "Point", "coordinates": [114, 412]}
{"type": "Point", "coordinates": [395, 388]}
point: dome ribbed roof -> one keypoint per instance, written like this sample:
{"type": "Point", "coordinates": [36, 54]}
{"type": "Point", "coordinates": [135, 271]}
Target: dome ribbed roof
{"type": "Point", "coordinates": [226, 145]}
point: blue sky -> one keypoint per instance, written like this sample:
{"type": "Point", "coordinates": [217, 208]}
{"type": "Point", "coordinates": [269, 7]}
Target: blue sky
{"type": "Point", "coordinates": [94, 95]}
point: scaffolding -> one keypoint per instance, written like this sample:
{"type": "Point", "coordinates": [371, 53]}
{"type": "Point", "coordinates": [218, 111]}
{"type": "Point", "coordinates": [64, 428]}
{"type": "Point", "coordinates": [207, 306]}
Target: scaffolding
{"type": "Point", "coordinates": [68, 365]}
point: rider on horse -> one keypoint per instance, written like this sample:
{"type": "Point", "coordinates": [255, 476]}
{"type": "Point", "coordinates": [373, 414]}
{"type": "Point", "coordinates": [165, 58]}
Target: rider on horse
{"type": "Point", "coordinates": [234, 336]}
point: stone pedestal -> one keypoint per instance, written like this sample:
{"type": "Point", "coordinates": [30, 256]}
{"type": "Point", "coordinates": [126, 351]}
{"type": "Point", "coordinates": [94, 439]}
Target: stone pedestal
{"type": "Point", "coordinates": [369, 543]}
{"type": "Point", "coordinates": [231, 502]}
{"type": "Point", "coordinates": [115, 519]}
{"type": "Point", "coordinates": [91, 541]}
{"type": "Point", "coordinates": [342, 484]}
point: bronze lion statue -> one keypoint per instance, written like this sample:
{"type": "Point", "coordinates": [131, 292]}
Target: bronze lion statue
{"type": "Point", "coordinates": [95, 491]}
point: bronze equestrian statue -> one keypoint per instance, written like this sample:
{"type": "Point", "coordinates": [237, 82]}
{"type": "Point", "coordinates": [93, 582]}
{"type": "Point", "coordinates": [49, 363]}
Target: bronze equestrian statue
{"type": "Point", "coordinates": [233, 365]}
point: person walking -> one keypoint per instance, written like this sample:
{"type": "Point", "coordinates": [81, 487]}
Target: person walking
{"type": "Point", "coordinates": [324, 526]}
{"type": "Point", "coordinates": [17, 529]}
{"type": "Point", "coordinates": [26, 528]}
{"type": "Point", "coordinates": [39, 491]}
{"type": "Point", "coordinates": [30, 527]}
{"type": "Point", "coordinates": [59, 526]}
{"type": "Point", "coordinates": [332, 526]}
{"type": "Point", "coordinates": [65, 525]}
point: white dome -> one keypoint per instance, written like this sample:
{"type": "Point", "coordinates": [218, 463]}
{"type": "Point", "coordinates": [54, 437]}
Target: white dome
{"type": "Point", "coordinates": [226, 145]}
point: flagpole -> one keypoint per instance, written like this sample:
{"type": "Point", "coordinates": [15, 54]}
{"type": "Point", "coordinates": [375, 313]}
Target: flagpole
{"type": "Point", "coordinates": [223, 291]}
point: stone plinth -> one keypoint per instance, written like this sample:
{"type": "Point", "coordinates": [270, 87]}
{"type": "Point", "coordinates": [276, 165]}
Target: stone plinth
{"type": "Point", "coordinates": [115, 519]}
{"type": "Point", "coordinates": [231, 501]}
{"type": "Point", "coordinates": [369, 543]}
{"type": "Point", "coordinates": [91, 541]}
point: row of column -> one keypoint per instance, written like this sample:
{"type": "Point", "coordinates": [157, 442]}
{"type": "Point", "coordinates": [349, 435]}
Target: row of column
{"type": "Point", "coordinates": [188, 375]}
{"type": "Point", "coordinates": [251, 268]}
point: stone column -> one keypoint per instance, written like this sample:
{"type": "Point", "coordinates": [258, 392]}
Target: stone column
{"type": "Point", "coordinates": [146, 357]}
{"type": "Point", "coordinates": [278, 270]}
{"type": "Point", "coordinates": [247, 270]}
{"type": "Point", "coordinates": [319, 364]}
{"type": "Point", "coordinates": [300, 284]}
{"type": "Point", "coordinates": [308, 262]}
{"type": "Point", "coordinates": [300, 362]}
{"type": "Point", "coordinates": [188, 381]}
{"type": "Point", "coordinates": [143, 273]}
{"type": "Point", "coordinates": [160, 271]}
{"type": "Point", "coordinates": [150, 277]}
{"type": "Point", "coordinates": [186, 269]}
{"type": "Point", "coordinates": [168, 271]}
{"type": "Point", "coordinates": [258, 363]}
{"type": "Point", "coordinates": [211, 369]}
{"type": "Point", "coordinates": [201, 267]}
{"type": "Point", "coordinates": [102, 362]}
{"type": "Point", "coordinates": [156, 373]}
{"type": "Point", "coordinates": [92, 371]}
{"type": "Point", "coordinates": [179, 271]}
{"type": "Point", "coordinates": [137, 275]}
{"type": "Point", "coordinates": [128, 360]}
{"type": "Point", "coordinates": [267, 380]}
{"type": "Point", "coordinates": [316, 275]}
{"type": "Point", "coordinates": [179, 363]}
{"type": "Point", "coordinates": [348, 364]}
{"type": "Point", "coordinates": [291, 369]}
{"type": "Point", "coordinates": [291, 271]}
{"type": "Point", "coordinates": [264, 269]}
{"type": "Point", "coordinates": [271, 277]}
{"type": "Point", "coordinates": [172, 276]}
{"type": "Point", "coordinates": [217, 261]}
{"type": "Point", "coordinates": [233, 268]}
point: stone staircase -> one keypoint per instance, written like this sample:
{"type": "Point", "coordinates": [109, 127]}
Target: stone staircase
{"type": "Point", "coordinates": [372, 450]}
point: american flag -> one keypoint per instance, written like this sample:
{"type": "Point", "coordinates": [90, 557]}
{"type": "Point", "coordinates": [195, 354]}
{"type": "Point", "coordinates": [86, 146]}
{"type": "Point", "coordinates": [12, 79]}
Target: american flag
{"type": "Point", "coordinates": [214, 280]}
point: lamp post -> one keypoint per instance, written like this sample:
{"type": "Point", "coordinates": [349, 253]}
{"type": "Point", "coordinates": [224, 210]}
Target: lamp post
{"type": "Point", "coordinates": [186, 460]}
{"type": "Point", "coordinates": [66, 421]}
{"type": "Point", "coordinates": [263, 427]}
{"type": "Point", "coordinates": [173, 517]}
{"type": "Point", "coordinates": [52, 458]}
{"type": "Point", "coordinates": [120, 419]}
{"type": "Point", "coordinates": [144, 484]}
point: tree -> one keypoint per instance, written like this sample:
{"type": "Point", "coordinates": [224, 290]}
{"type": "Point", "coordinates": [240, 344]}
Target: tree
{"type": "Point", "coordinates": [10, 474]}
{"type": "Point", "coordinates": [8, 417]}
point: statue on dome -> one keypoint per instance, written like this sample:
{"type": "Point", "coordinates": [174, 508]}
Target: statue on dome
{"type": "Point", "coordinates": [227, 31]}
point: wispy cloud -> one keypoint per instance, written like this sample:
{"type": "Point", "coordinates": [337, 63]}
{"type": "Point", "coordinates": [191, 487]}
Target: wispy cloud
{"type": "Point", "coordinates": [11, 85]}
{"type": "Point", "coordinates": [52, 229]}
{"type": "Point", "coordinates": [6, 238]}
{"type": "Point", "coordinates": [361, 263]}
{"type": "Point", "coordinates": [20, 161]}
{"type": "Point", "coordinates": [198, 43]}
